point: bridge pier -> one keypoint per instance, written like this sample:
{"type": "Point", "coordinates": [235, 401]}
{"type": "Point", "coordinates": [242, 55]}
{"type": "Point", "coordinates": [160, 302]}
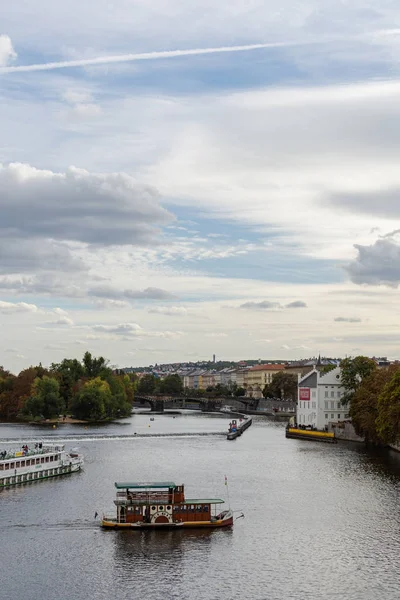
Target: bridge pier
{"type": "Point", "coordinates": [157, 406]}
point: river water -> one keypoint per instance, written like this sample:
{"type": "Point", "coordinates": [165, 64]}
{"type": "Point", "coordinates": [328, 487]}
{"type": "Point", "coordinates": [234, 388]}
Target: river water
{"type": "Point", "coordinates": [321, 521]}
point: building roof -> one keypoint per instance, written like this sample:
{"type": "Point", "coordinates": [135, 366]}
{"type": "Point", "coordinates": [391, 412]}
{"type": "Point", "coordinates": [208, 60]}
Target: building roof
{"type": "Point", "coordinates": [143, 486]}
{"type": "Point", "coordinates": [267, 368]}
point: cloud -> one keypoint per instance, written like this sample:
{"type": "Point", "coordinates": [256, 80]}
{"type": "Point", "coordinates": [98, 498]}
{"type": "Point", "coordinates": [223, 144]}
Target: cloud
{"type": "Point", "coordinates": [296, 304]}
{"type": "Point", "coordinates": [267, 305]}
{"type": "Point", "coordinates": [347, 320]}
{"type": "Point", "coordinates": [7, 52]}
{"type": "Point", "coordinates": [17, 307]}
{"type": "Point", "coordinates": [22, 255]}
{"type": "Point", "coordinates": [120, 329]}
{"type": "Point", "coordinates": [376, 264]}
{"type": "Point", "coordinates": [81, 104]}
{"type": "Point", "coordinates": [110, 292]}
{"type": "Point", "coordinates": [77, 205]}
{"type": "Point", "coordinates": [216, 335]}
{"type": "Point", "coordinates": [263, 305]}
{"type": "Point", "coordinates": [172, 311]}
{"type": "Point", "coordinates": [64, 321]}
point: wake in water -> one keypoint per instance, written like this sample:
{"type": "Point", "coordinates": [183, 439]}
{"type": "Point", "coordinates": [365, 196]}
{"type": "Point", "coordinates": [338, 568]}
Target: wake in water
{"type": "Point", "coordinates": [98, 437]}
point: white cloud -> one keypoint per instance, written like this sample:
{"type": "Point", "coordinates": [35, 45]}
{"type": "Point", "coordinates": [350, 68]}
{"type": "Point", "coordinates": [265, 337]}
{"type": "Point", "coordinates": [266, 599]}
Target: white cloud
{"type": "Point", "coordinates": [64, 321]}
{"type": "Point", "coordinates": [17, 307]}
{"type": "Point", "coordinates": [347, 320]}
{"type": "Point", "coordinates": [172, 311]}
{"type": "Point", "coordinates": [7, 52]}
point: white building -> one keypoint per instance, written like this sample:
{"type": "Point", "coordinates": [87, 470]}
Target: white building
{"type": "Point", "coordinates": [319, 399]}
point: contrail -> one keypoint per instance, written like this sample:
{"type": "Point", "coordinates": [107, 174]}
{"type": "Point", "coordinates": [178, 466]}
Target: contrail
{"type": "Point", "coordinates": [103, 60]}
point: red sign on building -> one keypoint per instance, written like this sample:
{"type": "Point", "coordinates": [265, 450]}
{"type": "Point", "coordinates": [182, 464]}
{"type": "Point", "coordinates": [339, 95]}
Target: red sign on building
{"type": "Point", "coordinates": [304, 393]}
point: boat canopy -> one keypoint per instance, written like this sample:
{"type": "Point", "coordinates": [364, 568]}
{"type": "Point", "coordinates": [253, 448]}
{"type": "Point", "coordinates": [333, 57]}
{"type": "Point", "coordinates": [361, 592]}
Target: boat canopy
{"type": "Point", "coordinates": [144, 486]}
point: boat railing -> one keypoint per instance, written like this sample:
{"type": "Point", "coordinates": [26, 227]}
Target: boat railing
{"type": "Point", "coordinates": [28, 453]}
{"type": "Point", "coordinates": [137, 497]}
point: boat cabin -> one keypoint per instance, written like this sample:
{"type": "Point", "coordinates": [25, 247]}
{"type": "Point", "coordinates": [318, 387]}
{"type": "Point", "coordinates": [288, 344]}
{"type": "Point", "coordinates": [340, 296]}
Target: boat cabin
{"type": "Point", "coordinates": [160, 502]}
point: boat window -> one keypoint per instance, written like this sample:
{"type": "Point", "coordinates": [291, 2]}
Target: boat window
{"type": "Point", "coordinates": [176, 508]}
{"type": "Point", "coordinates": [191, 508]}
{"type": "Point", "coordinates": [38, 461]}
{"type": "Point", "coordinates": [47, 459]}
{"type": "Point", "coordinates": [42, 459]}
{"type": "Point", "coordinates": [200, 508]}
{"type": "Point", "coordinates": [51, 458]}
{"type": "Point", "coordinates": [28, 462]}
{"type": "Point", "coordinates": [22, 463]}
{"type": "Point", "coordinates": [160, 508]}
{"type": "Point", "coordinates": [206, 508]}
{"type": "Point", "coordinates": [153, 508]}
{"type": "Point", "coordinates": [1, 467]}
{"type": "Point", "coordinates": [12, 465]}
{"type": "Point", "coordinates": [7, 466]}
{"type": "Point", "coordinates": [17, 464]}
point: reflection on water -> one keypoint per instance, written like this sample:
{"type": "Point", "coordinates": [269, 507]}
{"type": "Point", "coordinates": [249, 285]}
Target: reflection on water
{"type": "Point", "coordinates": [321, 521]}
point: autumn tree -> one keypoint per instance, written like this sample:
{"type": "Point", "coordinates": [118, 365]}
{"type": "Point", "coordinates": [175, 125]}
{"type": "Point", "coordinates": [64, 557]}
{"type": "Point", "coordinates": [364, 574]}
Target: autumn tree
{"type": "Point", "coordinates": [364, 410]}
{"type": "Point", "coordinates": [388, 419]}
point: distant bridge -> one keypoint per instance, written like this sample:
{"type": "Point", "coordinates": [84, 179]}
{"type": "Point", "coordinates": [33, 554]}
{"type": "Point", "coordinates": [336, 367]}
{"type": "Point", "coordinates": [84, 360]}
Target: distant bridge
{"type": "Point", "coordinates": [206, 404]}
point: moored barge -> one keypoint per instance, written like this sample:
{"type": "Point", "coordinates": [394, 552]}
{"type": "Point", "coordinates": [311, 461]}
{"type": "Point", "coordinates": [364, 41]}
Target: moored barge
{"type": "Point", "coordinates": [310, 434]}
{"type": "Point", "coordinates": [37, 463]}
{"type": "Point", "coordinates": [162, 505]}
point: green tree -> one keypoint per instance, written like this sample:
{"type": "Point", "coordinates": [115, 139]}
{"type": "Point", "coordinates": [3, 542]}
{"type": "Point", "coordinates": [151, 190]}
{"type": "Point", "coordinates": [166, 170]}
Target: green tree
{"type": "Point", "coordinates": [388, 419]}
{"type": "Point", "coordinates": [147, 384]}
{"type": "Point", "coordinates": [239, 392]}
{"type": "Point", "coordinates": [326, 368]}
{"type": "Point", "coordinates": [92, 400]}
{"type": "Point", "coordinates": [171, 384]}
{"type": "Point", "coordinates": [283, 385]}
{"type": "Point", "coordinates": [94, 367]}
{"type": "Point", "coordinates": [353, 371]}
{"type": "Point", "coordinates": [45, 400]}
{"type": "Point", "coordinates": [69, 372]}
{"type": "Point", "coordinates": [364, 404]}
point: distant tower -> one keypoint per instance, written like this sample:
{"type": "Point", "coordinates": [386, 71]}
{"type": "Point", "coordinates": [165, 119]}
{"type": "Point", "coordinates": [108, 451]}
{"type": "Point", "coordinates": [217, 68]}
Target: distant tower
{"type": "Point", "coordinates": [319, 363]}
{"type": "Point", "coordinates": [213, 358]}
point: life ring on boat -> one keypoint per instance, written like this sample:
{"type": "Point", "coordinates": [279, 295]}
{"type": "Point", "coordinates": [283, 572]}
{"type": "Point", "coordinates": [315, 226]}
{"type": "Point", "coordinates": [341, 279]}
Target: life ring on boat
{"type": "Point", "coordinates": [161, 517]}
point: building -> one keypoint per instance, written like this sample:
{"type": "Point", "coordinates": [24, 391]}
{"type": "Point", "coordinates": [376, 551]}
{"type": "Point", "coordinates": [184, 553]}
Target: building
{"type": "Point", "coordinates": [260, 376]}
{"type": "Point", "coordinates": [319, 399]}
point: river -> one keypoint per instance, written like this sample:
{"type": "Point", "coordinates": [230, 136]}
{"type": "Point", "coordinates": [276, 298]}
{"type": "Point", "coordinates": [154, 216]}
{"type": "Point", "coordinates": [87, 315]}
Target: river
{"type": "Point", "coordinates": [321, 521]}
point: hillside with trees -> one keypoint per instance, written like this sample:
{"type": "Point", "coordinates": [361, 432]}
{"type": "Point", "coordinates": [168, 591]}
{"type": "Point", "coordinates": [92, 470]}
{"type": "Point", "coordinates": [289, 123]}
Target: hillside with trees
{"type": "Point", "coordinates": [88, 390]}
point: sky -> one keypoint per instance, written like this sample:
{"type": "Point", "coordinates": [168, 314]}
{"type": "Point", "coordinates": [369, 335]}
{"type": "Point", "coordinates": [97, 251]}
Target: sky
{"type": "Point", "coordinates": [179, 180]}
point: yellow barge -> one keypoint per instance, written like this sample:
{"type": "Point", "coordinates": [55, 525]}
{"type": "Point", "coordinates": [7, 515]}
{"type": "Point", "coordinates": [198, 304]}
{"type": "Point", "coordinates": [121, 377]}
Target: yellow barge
{"type": "Point", "coordinates": [310, 434]}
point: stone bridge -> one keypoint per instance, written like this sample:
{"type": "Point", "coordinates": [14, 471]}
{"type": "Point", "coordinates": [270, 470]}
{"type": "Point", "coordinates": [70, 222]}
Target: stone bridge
{"type": "Point", "coordinates": [206, 404]}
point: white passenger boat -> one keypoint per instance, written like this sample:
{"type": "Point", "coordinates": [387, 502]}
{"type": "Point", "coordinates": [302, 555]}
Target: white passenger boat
{"type": "Point", "coordinates": [227, 409]}
{"type": "Point", "coordinates": [37, 462]}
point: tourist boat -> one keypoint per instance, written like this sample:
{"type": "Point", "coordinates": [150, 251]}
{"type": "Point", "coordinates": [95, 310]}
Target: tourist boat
{"type": "Point", "coordinates": [163, 504]}
{"type": "Point", "coordinates": [36, 463]}
{"type": "Point", "coordinates": [301, 433]}
{"type": "Point", "coordinates": [227, 409]}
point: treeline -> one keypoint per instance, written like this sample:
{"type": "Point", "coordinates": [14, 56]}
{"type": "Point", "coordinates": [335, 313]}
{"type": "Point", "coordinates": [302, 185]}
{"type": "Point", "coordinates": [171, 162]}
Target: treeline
{"type": "Point", "coordinates": [374, 396]}
{"type": "Point", "coordinates": [87, 390]}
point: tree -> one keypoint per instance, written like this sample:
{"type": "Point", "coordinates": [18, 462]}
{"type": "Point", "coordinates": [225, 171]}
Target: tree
{"type": "Point", "coordinates": [353, 371]}
{"type": "Point", "coordinates": [239, 392]}
{"type": "Point", "coordinates": [45, 400]}
{"type": "Point", "coordinates": [364, 409]}
{"type": "Point", "coordinates": [92, 400]}
{"type": "Point", "coordinates": [68, 372]}
{"type": "Point", "coordinates": [171, 384]}
{"type": "Point", "coordinates": [326, 368]}
{"type": "Point", "coordinates": [147, 384]}
{"type": "Point", "coordinates": [283, 385]}
{"type": "Point", "coordinates": [388, 419]}
{"type": "Point", "coordinates": [94, 367]}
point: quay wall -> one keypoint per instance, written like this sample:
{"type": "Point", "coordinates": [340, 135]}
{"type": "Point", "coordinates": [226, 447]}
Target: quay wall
{"type": "Point", "coordinates": [345, 431]}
